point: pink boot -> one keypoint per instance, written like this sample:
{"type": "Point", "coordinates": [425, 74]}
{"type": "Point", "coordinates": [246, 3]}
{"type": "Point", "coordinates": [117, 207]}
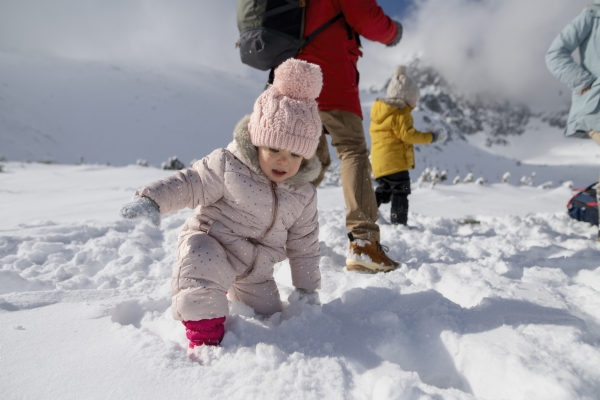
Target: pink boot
{"type": "Point", "coordinates": [207, 331]}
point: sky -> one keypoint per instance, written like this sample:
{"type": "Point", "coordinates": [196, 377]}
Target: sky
{"type": "Point", "coordinates": [487, 46]}
{"type": "Point", "coordinates": [494, 47]}
{"type": "Point", "coordinates": [395, 8]}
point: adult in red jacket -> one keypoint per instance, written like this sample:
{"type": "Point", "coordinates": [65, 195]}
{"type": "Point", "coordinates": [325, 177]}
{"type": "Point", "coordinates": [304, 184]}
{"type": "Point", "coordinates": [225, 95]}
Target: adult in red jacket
{"type": "Point", "coordinates": [336, 50]}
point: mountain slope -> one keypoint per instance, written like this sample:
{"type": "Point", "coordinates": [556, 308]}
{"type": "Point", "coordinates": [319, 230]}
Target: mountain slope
{"type": "Point", "coordinates": [489, 137]}
{"type": "Point", "coordinates": [63, 110]}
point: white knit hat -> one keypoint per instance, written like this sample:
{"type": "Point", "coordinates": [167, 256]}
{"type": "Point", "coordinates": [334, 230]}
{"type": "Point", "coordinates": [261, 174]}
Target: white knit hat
{"type": "Point", "coordinates": [402, 87]}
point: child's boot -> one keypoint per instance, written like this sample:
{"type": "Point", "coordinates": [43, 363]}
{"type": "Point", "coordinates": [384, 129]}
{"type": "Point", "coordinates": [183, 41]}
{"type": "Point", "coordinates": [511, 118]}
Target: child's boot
{"type": "Point", "coordinates": [368, 256]}
{"type": "Point", "coordinates": [399, 209]}
{"type": "Point", "coordinates": [208, 332]}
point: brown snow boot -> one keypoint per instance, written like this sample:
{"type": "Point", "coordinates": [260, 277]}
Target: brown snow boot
{"type": "Point", "coordinates": [368, 256]}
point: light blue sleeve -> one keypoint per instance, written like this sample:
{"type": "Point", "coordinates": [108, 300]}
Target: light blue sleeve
{"type": "Point", "coordinates": [559, 56]}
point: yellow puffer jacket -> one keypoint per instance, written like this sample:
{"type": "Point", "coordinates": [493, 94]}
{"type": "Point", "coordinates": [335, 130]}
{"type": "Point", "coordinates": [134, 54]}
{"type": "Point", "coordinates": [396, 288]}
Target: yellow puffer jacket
{"type": "Point", "coordinates": [392, 139]}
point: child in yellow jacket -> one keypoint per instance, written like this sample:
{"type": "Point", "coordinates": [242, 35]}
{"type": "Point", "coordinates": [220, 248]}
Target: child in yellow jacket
{"type": "Point", "coordinates": [392, 138]}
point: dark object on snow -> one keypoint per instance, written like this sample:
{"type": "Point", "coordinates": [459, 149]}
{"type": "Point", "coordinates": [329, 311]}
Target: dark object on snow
{"type": "Point", "coordinates": [469, 221]}
{"type": "Point", "coordinates": [584, 205]}
{"type": "Point", "coordinates": [173, 163]}
{"type": "Point", "coordinates": [271, 31]}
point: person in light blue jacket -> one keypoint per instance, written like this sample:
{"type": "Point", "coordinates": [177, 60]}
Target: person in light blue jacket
{"type": "Point", "coordinates": [583, 33]}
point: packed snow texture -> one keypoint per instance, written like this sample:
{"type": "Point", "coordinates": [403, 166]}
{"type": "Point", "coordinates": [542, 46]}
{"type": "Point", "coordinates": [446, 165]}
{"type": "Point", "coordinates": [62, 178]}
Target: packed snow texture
{"type": "Point", "coordinates": [497, 297]}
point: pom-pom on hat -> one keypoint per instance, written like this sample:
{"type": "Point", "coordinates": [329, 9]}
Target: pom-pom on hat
{"type": "Point", "coordinates": [402, 87]}
{"type": "Point", "coordinates": [286, 115]}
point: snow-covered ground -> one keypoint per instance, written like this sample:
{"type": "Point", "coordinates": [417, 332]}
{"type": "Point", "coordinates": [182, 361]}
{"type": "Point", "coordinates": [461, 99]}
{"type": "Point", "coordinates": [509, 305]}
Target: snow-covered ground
{"type": "Point", "coordinates": [504, 308]}
{"type": "Point", "coordinates": [497, 297]}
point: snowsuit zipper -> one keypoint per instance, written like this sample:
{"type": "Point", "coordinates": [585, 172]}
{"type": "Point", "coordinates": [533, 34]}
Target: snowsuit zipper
{"type": "Point", "coordinates": [264, 234]}
{"type": "Point", "coordinates": [275, 207]}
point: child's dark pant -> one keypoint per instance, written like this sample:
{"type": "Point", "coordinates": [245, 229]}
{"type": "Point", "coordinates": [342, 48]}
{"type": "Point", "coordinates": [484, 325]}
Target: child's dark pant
{"type": "Point", "coordinates": [394, 187]}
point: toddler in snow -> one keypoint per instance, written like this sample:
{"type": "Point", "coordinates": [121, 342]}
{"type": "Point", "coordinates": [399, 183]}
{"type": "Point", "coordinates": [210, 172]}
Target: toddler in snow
{"type": "Point", "coordinates": [392, 139]}
{"type": "Point", "coordinates": [254, 207]}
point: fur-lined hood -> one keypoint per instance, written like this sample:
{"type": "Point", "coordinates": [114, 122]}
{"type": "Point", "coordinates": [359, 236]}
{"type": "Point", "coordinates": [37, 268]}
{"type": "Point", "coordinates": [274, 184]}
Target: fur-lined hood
{"type": "Point", "coordinates": [384, 108]}
{"type": "Point", "coordinates": [243, 149]}
{"type": "Point", "coordinates": [393, 102]}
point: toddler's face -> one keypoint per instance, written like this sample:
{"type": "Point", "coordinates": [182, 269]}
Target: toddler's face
{"type": "Point", "coordinates": [278, 164]}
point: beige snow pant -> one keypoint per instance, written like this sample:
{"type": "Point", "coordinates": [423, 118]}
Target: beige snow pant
{"type": "Point", "coordinates": [203, 274]}
{"type": "Point", "coordinates": [348, 138]}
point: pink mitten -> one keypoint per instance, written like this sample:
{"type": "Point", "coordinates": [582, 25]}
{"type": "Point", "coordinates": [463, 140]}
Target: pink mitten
{"type": "Point", "coordinates": [207, 331]}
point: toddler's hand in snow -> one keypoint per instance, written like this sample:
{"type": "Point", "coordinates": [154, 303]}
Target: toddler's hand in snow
{"type": "Point", "coordinates": [439, 134]}
{"type": "Point", "coordinates": [310, 296]}
{"type": "Point", "coordinates": [141, 207]}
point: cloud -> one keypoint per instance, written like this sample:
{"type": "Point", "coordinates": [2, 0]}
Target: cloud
{"type": "Point", "coordinates": [151, 31]}
{"type": "Point", "coordinates": [484, 46]}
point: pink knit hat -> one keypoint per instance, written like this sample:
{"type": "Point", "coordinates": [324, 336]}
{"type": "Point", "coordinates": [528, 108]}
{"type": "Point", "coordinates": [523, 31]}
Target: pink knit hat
{"type": "Point", "coordinates": [286, 115]}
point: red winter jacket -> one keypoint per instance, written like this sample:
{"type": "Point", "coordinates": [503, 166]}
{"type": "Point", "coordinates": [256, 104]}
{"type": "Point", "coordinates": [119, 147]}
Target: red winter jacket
{"type": "Point", "coordinates": [336, 53]}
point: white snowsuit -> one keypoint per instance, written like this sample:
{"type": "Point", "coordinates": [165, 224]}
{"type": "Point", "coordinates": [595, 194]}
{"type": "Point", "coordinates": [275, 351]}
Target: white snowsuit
{"type": "Point", "coordinates": [243, 225]}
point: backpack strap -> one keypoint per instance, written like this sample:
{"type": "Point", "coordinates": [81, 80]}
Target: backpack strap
{"type": "Point", "coordinates": [349, 31]}
{"type": "Point", "coordinates": [320, 29]}
{"type": "Point", "coordinates": [305, 40]}
{"type": "Point", "coordinates": [271, 78]}
{"type": "Point", "coordinates": [281, 9]}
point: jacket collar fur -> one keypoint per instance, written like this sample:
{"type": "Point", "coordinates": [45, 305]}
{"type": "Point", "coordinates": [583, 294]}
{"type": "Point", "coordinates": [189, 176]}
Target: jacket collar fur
{"type": "Point", "coordinates": [248, 154]}
{"type": "Point", "coordinates": [394, 102]}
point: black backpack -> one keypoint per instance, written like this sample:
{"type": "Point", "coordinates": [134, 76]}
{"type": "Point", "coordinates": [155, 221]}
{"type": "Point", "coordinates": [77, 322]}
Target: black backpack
{"type": "Point", "coordinates": [271, 31]}
{"type": "Point", "coordinates": [584, 205]}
